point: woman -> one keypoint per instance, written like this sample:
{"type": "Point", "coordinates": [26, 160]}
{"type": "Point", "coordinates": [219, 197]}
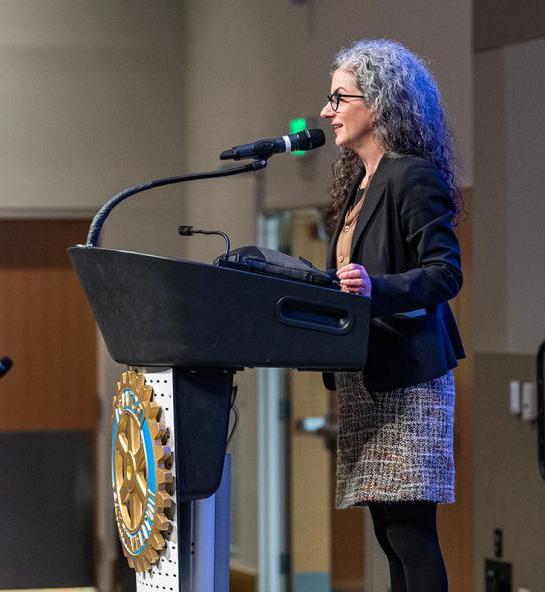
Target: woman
{"type": "Point", "coordinates": [393, 203]}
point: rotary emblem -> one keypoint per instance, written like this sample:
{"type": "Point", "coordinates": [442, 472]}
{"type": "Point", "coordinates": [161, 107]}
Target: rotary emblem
{"type": "Point", "coordinates": [139, 475]}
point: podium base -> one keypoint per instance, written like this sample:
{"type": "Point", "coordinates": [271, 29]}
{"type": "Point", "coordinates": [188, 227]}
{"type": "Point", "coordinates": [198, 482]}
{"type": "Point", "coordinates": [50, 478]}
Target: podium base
{"type": "Point", "coordinates": [196, 557]}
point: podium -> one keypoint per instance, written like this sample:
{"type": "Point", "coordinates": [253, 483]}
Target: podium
{"type": "Point", "coordinates": [184, 329]}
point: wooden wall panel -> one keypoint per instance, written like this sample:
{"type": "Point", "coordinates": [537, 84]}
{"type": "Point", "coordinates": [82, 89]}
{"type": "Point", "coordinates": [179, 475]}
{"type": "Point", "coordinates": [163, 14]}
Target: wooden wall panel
{"type": "Point", "coordinates": [242, 580]}
{"type": "Point", "coordinates": [347, 542]}
{"type": "Point", "coordinates": [46, 328]}
{"type": "Point", "coordinates": [456, 520]}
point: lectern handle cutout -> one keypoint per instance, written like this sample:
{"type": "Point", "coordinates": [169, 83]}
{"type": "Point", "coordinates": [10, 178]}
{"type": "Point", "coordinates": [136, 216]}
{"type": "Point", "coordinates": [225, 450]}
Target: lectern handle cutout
{"type": "Point", "coordinates": [308, 314]}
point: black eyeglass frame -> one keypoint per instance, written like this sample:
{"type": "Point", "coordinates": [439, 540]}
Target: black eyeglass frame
{"type": "Point", "coordinates": [337, 98]}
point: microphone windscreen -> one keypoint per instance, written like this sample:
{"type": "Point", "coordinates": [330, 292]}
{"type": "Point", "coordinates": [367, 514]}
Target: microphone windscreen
{"type": "Point", "coordinates": [227, 155]}
{"type": "Point", "coordinates": [5, 365]}
{"type": "Point", "coordinates": [311, 138]}
{"type": "Point", "coordinates": [317, 137]}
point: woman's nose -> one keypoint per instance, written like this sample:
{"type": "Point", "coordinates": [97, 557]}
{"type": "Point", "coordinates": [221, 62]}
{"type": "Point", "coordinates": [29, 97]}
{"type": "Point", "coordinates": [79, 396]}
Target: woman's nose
{"type": "Point", "coordinates": [326, 111]}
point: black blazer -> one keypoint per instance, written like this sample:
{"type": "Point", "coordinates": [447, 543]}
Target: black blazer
{"type": "Point", "coordinates": [405, 239]}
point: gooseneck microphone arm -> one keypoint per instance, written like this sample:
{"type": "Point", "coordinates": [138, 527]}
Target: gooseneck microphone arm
{"type": "Point", "coordinates": [100, 217]}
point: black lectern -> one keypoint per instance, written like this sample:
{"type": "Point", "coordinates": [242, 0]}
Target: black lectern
{"type": "Point", "coordinates": [184, 328]}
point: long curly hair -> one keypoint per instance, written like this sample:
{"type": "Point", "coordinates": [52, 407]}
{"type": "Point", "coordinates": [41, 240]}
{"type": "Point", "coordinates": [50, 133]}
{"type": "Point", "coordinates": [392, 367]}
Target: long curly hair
{"type": "Point", "coordinates": [401, 91]}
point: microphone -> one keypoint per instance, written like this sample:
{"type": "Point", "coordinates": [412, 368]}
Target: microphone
{"type": "Point", "coordinates": [190, 231]}
{"type": "Point", "coordinates": [304, 140]}
{"type": "Point", "coordinates": [5, 365]}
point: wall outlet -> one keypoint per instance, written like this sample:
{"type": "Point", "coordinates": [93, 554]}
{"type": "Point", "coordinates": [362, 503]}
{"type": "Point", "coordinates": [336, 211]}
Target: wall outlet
{"type": "Point", "coordinates": [529, 401]}
{"type": "Point", "coordinates": [515, 407]}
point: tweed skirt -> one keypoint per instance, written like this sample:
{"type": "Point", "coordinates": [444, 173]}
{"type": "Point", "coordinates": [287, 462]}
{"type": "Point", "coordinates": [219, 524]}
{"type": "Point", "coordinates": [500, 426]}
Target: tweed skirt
{"type": "Point", "coordinates": [394, 445]}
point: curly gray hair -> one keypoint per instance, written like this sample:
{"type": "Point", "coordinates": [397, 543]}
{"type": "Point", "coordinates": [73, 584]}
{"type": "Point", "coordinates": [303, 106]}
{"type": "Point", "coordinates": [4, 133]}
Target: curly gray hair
{"type": "Point", "coordinates": [399, 88]}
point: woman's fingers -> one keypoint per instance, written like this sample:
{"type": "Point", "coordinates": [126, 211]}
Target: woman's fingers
{"type": "Point", "coordinates": [354, 278]}
{"type": "Point", "coordinates": [350, 272]}
{"type": "Point", "coordinates": [353, 282]}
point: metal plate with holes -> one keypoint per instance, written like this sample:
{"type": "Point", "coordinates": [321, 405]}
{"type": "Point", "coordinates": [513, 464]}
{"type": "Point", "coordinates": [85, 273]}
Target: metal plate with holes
{"type": "Point", "coordinates": [164, 575]}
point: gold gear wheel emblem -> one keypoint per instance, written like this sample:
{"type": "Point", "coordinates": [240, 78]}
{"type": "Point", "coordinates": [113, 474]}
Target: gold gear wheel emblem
{"type": "Point", "coordinates": [139, 476]}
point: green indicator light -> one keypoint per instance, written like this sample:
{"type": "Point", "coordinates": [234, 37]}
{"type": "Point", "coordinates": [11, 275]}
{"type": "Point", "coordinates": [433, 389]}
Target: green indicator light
{"type": "Point", "coordinates": [298, 125]}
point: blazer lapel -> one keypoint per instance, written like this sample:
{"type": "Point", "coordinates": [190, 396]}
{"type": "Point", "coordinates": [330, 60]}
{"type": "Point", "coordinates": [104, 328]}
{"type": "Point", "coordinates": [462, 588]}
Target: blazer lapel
{"type": "Point", "coordinates": [372, 199]}
{"type": "Point", "coordinates": [331, 251]}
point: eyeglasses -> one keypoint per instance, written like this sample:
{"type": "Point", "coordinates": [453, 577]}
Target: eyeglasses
{"type": "Point", "coordinates": [335, 99]}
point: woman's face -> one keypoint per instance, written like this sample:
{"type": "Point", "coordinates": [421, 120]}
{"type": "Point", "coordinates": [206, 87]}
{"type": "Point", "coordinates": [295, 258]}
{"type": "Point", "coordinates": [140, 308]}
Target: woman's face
{"type": "Point", "coordinates": [352, 122]}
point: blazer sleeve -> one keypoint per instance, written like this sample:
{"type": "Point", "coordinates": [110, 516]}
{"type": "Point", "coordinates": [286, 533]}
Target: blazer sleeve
{"type": "Point", "coordinates": [426, 212]}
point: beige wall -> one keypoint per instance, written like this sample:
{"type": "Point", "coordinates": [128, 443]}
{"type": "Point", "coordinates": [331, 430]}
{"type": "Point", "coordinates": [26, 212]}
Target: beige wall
{"type": "Point", "coordinates": [502, 22]}
{"type": "Point", "coordinates": [508, 220]}
{"type": "Point", "coordinates": [509, 492]}
{"type": "Point", "coordinates": [92, 99]}
{"type": "Point", "coordinates": [509, 211]}
{"type": "Point", "coordinates": [252, 67]}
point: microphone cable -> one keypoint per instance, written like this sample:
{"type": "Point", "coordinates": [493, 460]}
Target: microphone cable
{"type": "Point", "coordinates": [190, 231]}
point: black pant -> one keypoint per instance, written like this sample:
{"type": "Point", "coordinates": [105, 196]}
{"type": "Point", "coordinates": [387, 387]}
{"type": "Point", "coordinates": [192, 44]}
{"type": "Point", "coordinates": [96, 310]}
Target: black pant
{"type": "Point", "coordinates": [407, 533]}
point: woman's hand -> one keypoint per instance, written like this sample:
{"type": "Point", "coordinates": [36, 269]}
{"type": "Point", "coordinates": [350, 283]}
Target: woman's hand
{"type": "Point", "coordinates": [355, 279]}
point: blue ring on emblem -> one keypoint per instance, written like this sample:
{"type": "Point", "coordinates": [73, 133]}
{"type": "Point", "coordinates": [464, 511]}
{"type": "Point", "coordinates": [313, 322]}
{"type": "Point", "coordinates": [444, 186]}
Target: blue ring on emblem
{"type": "Point", "coordinates": [145, 434]}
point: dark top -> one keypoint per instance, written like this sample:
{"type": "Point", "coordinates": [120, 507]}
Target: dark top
{"type": "Point", "coordinates": [405, 239]}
